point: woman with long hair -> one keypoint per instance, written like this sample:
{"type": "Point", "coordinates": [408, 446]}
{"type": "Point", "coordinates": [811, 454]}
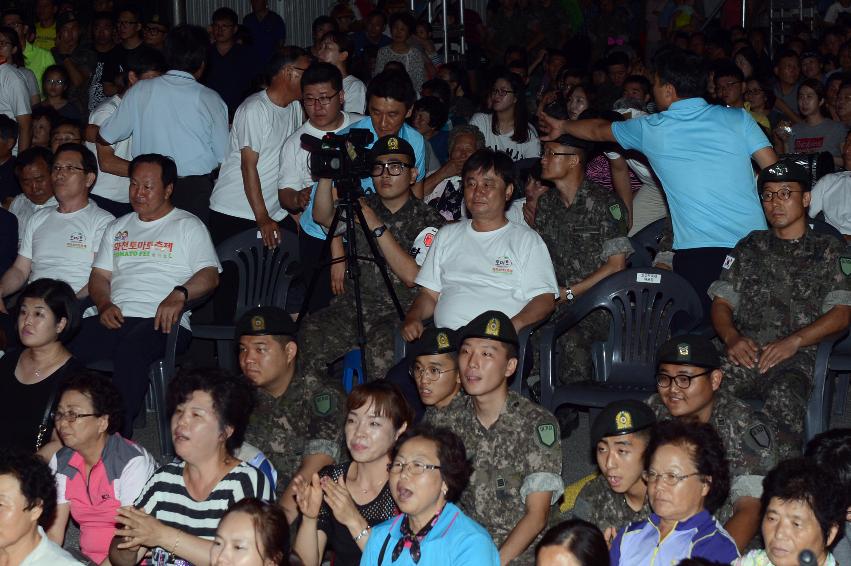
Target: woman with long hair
{"type": "Point", "coordinates": [506, 125]}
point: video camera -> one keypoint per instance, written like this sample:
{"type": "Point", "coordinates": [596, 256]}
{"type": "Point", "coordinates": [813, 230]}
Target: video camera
{"type": "Point", "coordinates": [339, 157]}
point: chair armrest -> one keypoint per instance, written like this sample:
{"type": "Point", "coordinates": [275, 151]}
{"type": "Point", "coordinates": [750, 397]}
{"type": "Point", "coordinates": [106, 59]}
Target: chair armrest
{"type": "Point", "coordinates": [818, 405]}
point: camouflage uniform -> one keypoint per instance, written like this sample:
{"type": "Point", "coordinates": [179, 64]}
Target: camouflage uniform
{"type": "Point", "coordinates": [440, 417]}
{"type": "Point", "coordinates": [598, 504]}
{"type": "Point", "coordinates": [520, 454]}
{"type": "Point", "coordinates": [580, 239]}
{"type": "Point", "coordinates": [306, 419]}
{"type": "Point", "coordinates": [330, 333]}
{"type": "Point", "coordinates": [777, 287]}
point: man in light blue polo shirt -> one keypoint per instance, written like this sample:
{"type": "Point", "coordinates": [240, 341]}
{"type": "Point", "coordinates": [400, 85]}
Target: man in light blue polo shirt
{"type": "Point", "coordinates": [702, 155]}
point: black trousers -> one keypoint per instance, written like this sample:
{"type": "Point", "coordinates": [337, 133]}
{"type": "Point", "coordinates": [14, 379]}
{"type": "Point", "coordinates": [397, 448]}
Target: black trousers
{"type": "Point", "coordinates": [117, 209]}
{"type": "Point", "coordinates": [700, 267]}
{"type": "Point", "coordinates": [192, 194]}
{"type": "Point", "coordinates": [310, 252]}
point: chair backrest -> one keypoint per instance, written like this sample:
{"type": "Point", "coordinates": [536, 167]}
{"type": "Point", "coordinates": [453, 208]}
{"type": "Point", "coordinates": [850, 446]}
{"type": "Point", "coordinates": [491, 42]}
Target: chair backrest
{"type": "Point", "coordinates": [265, 274]}
{"type": "Point", "coordinates": [645, 242]}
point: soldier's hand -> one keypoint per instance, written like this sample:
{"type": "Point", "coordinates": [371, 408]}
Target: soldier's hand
{"type": "Point", "coordinates": [743, 351]}
{"type": "Point", "coordinates": [779, 351]}
{"type": "Point", "coordinates": [412, 329]}
{"type": "Point", "coordinates": [372, 220]}
{"type": "Point", "coordinates": [338, 277]}
{"type": "Point", "coordinates": [308, 495]}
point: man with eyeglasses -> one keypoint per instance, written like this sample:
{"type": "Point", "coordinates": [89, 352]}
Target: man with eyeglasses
{"type": "Point", "coordinates": [781, 291]}
{"type": "Point", "coordinates": [61, 242]}
{"type": "Point", "coordinates": [77, 60]}
{"type": "Point", "coordinates": [689, 386]}
{"type": "Point", "coordinates": [434, 369]}
{"type": "Point", "coordinates": [229, 68]}
{"type": "Point", "coordinates": [729, 85]}
{"type": "Point", "coordinates": [36, 59]}
{"type": "Point", "coordinates": [154, 33]}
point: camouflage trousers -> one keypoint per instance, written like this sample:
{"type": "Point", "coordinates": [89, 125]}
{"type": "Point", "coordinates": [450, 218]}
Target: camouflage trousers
{"type": "Point", "coordinates": [574, 348]}
{"type": "Point", "coordinates": [330, 333]}
{"type": "Point", "coordinates": [784, 389]}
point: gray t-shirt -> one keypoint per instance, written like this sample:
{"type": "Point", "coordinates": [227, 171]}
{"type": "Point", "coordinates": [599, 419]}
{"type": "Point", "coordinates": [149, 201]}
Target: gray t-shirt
{"type": "Point", "coordinates": [842, 551]}
{"type": "Point", "coordinates": [827, 136]}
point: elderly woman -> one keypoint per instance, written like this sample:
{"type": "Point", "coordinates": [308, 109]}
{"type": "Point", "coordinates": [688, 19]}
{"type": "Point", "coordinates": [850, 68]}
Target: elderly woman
{"type": "Point", "coordinates": [443, 189]}
{"type": "Point", "coordinates": [798, 514]}
{"type": "Point", "coordinates": [340, 505]}
{"type": "Point", "coordinates": [27, 503]}
{"type": "Point", "coordinates": [48, 317]}
{"type": "Point", "coordinates": [687, 477]}
{"type": "Point", "coordinates": [252, 533]}
{"type": "Point", "coordinates": [176, 516]}
{"type": "Point", "coordinates": [575, 542]}
{"type": "Point", "coordinates": [97, 470]}
{"type": "Point", "coordinates": [427, 475]}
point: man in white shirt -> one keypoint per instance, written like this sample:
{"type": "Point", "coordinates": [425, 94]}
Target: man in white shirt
{"type": "Point", "coordinates": [61, 242]}
{"type": "Point", "coordinates": [34, 167]}
{"type": "Point", "coordinates": [149, 265]}
{"type": "Point", "coordinates": [486, 263]}
{"type": "Point", "coordinates": [830, 195]}
{"type": "Point", "coordinates": [337, 48]}
{"type": "Point", "coordinates": [15, 101]}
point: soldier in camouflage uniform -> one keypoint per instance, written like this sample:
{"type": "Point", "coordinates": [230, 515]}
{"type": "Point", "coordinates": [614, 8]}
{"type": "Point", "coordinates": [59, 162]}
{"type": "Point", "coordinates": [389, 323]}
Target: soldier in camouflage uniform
{"type": "Point", "coordinates": [689, 385]}
{"type": "Point", "coordinates": [781, 291]}
{"type": "Point", "coordinates": [513, 444]}
{"type": "Point", "coordinates": [435, 371]}
{"type": "Point", "coordinates": [618, 495]}
{"type": "Point", "coordinates": [404, 227]}
{"type": "Point", "coordinates": [298, 420]}
{"type": "Point", "coordinates": [585, 229]}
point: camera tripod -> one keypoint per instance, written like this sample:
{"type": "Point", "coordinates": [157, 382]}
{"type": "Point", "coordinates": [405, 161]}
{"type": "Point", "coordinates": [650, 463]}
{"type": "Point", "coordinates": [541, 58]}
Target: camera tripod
{"type": "Point", "coordinates": [348, 210]}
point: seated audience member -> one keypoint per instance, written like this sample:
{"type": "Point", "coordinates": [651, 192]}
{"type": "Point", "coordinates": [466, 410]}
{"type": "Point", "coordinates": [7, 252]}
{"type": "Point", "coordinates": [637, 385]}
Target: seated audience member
{"type": "Point", "coordinates": [831, 453]}
{"type": "Point", "coordinates": [781, 291]}
{"type": "Point", "coordinates": [28, 492]}
{"type": "Point", "coordinates": [427, 475]}
{"type": "Point", "coordinates": [514, 444]}
{"type": "Point", "coordinates": [55, 86]}
{"type": "Point", "coordinates": [44, 118]}
{"type": "Point", "coordinates": [428, 116]}
{"type": "Point", "coordinates": [617, 495]}
{"type": "Point", "coordinates": [337, 49]}
{"type": "Point", "coordinates": [687, 480]}
{"type": "Point", "coordinates": [298, 417]}
{"type": "Point", "coordinates": [798, 513]}
{"type": "Point", "coordinates": [9, 187]}
{"type": "Point", "coordinates": [342, 503]}
{"type": "Point", "coordinates": [150, 264]}
{"type": "Point", "coordinates": [251, 533]}
{"type": "Point", "coordinates": [97, 471]}
{"type": "Point", "coordinates": [506, 125]}
{"type": "Point", "coordinates": [35, 166]}
{"type": "Point", "coordinates": [444, 189]}
{"type": "Point", "coordinates": [65, 131]}
{"type": "Point", "coordinates": [815, 132]}
{"type": "Point", "coordinates": [372, 35]}
{"type": "Point", "coordinates": [638, 88]}
{"type": "Point", "coordinates": [434, 369]}
{"type": "Point", "coordinates": [402, 26]}
{"type": "Point", "coordinates": [830, 195]}
{"type": "Point", "coordinates": [461, 106]}
{"type": "Point", "coordinates": [61, 242]}
{"type": "Point", "coordinates": [730, 85]}
{"type": "Point", "coordinates": [485, 262]}
{"type": "Point", "coordinates": [689, 386]}
{"type": "Point", "coordinates": [110, 190]}
{"type": "Point", "coordinates": [402, 225]}
{"type": "Point", "coordinates": [575, 542]}
{"type": "Point", "coordinates": [176, 515]}
{"type": "Point", "coordinates": [524, 209]}
{"type": "Point", "coordinates": [30, 377]}
{"type": "Point", "coordinates": [787, 70]}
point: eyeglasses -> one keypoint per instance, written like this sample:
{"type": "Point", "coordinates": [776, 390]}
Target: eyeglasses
{"type": "Point", "coordinates": [782, 194]}
{"type": "Point", "coordinates": [431, 373]}
{"type": "Point", "coordinates": [682, 380]}
{"type": "Point", "coordinates": [414, 468]}
{"type": "Point", "coordinates": [550, 153]}
{"type": "Point", "coordinates": [71, 416]}
{"type": "Point", "coordinates": [153, 30]}
{"type": "Point", "coordinates": [66, 168]}
{"type": "Point", "coordinates": [667, 478]}
{"type": "Point", "coordinates": [59, 82]}
{"type": "Point", "coordinates": [501, 92]}
{"type": "Point", "coordinates": [322, 100]}
{"type": "Point", "coordinates": [395, 168]}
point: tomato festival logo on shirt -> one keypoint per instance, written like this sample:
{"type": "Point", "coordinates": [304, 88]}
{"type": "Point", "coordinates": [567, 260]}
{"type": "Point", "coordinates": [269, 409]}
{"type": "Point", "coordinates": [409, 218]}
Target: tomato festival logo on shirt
{"type": "Point", "coordinates": [503, 264]}
{"type": "Point", "coordinates": [76, 240]}
{"type": "Point", "coordinates": [132, 248]}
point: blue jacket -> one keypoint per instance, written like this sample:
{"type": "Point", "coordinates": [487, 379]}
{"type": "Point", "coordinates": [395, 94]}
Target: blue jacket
{"type": "Point", "coordinates": [456, 540]}
{"type": "Point", "coordinates": [701, 536]}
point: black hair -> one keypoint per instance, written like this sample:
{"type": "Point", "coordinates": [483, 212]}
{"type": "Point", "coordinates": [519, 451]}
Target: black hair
{"type": "Point", "coordinates": [46, 111]}
{"type": "Point", "coordinates": [37, 483]}
{"type": "Point", "coordinates": [375, 13]}
{"type": "Point", "coordinates": [186, 48]}
{"type": "Point", "coordinates": [135, 10]}
{"type": "Point", "coordinates": [706, 449]}
{"type": "Point", "coordinates": [799, 479]}
{"type": "Point", "coordinates": [729, 69]}
{"type": "Point", "coordinates": [786, 54]}
{"type": "Point", "coordinates": [646, 86]}
{"type": "Point", "coordinates": [12, 37]}
{"type": "Point", "coordinates": [438, 88]}
{"type": "Point", "coordinates": [487, 159]}
{"type": "Point", "coordinates": [458, 74]}
{"type": "Point", "coordinates": [90, 162]}
{"type": "Point", "coordinates": [167, 166]}
{"type": "Point", "coordinates": [282, 57]}
{"type": "Point", "coordinates": [455, 467]}
{"type": "Point", "coordinates": [25, 17]}
{"type": "Point", "coordinates": [233, 398]}
{"type": "Point", "coordinates": [32, 155]}
{"type": "Point", "coordinates": [681, 69]}
{"type": "Point", "coordinates": [395, 85]}
{"type": "Point", "coordinates": [225, 13]}
{"type": "Point", "coordinates": [406, 19]}
{"type": "Point", "coordinates": [831, 452]}
{"type": "Point", "coordinates": [438, 113]}
{"type": "Point", "coordinates": [322, 21]}
{"type": "Point", "coordinates": [521, 118]}
{"type": "Point", "coordinates": [8, 128]}
{"type": "Point", "coordinates": [142, 61]}
{"type": "Point", "coordinates": [319, 73]}
{"type": "Point", "coordinates": [617, 58]}
{"type": "Point", "coordinates": [102, 16]}
{"type": "Point", "coordinates": [344, 44]}
{"type": "Point", "coordinates": [582, 539]}
{"type": "Point", "coordinates": [64, 76]}
{"type": "Point", "coordinates": [60, 299]}
{"type": "Point", "coordinates": [106, 400]}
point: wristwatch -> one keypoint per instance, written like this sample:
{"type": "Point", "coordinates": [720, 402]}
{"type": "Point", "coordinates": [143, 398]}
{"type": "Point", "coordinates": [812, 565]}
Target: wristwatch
{"type": "Point", "coordinates": [378, 232]}
{"type": "Point", "coordinates": [183, 290]}
{"type": "Point", "coordinates": [568, 294]}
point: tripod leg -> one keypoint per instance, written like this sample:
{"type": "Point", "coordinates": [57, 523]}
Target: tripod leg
{"type": "Point", "coordinates": [314, 278]}
{"type": "Point", "coordinates": [354, 269]}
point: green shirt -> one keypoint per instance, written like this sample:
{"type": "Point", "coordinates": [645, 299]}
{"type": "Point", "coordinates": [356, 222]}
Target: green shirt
{"type": "Point", "coordinates": [37, 60]}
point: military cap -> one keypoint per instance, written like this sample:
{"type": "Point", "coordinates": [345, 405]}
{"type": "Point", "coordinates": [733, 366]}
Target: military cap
{"type": "Point", "coordinates": [786, 169]}
{"type": "Point", "coordinates": [492, 325]}
{"type": "Point", "coordinates": [65, 18]}
{"type": "Point", "coordinates": [391, 145]}
{"type": "Point", "coordinates": [265, 321]}
{"type": "Point", "coordinates": [435, 341]}
{"type": "Point", "coordinates": [690, 350]}
{"type": "Point", "coordinates": [622, 417]}
{"type": "Point", "coordinates": [572, 141]}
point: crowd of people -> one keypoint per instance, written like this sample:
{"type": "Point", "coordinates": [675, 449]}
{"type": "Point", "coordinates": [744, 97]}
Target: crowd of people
{"type": "Point", "coordinates": [497, 187]}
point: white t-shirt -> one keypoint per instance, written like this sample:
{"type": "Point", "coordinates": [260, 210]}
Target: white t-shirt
{"type": "Point", "coordinates": [833, 12]}
{"type": "Point", "coordinates": [263, 126]}
{"type": "Point", "coordinates": [14, 96]}
{"type": "Point", "coordinates": [108, 185]}
{"type": "Point", "coordinates": [503, 142]}
{"type": "Point", "coordinates": [30, 80]}
{"type": "Point", "coordinates": [63, 245]}
{"type": "Point", "coordinates": [149, 259]}
{"type": "Point", "coordinates": [24, 208]}
{"type": "Point", "coordinates": [474, 272]}
{"type": "Point", "coordinates": [354, 92]}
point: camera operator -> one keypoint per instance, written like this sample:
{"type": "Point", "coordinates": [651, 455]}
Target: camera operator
{"type": "Point", "coordinates": [403, 227]}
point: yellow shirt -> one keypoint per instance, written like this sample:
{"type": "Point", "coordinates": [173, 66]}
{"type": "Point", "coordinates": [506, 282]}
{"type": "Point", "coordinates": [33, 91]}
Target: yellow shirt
{"type": "Point", "coordinates": [45, 37]}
